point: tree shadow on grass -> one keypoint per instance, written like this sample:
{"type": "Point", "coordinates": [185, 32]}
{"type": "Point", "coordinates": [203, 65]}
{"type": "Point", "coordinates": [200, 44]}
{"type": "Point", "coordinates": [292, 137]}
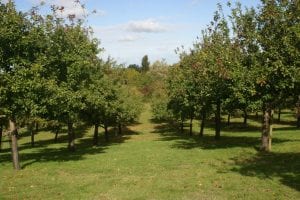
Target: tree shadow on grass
{"type": "Point", "coordinates": [160, 121]}
{"type": "Point", "coordinates": [45, 151]}
{"type": "Point", "coordinates": [295, 129]}
{"type": "Point", "coordinates": [209, 124]}
{"type": "Point", "coordinates": [127, 131]}
{"type": "Point", "coordinates": [283, 122]}
{"type": "Point", "coordinates": [239, 127]}
{"type": "Point", "coordinates": [79, 130]}
{"type": "Point", "coordinates": [58, 155]}
{"type": "Point", "coordinates": [184, 141]}
{"type": "Point", "coordinates": [209, 142]}
{"type": "Point", "coordinates": [286, 166]}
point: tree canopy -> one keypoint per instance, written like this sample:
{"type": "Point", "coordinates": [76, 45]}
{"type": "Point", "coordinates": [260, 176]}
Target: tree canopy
{"type": "Point", "coordinates": [51, 72]}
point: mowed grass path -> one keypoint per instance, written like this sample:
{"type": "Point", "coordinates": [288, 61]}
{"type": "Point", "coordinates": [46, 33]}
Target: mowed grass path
{"type": "Point", "coordinates": [152, 161]}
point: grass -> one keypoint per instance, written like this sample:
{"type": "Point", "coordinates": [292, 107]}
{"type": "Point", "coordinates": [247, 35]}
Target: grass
{"type": "Point", "coordinates": [153, 161]}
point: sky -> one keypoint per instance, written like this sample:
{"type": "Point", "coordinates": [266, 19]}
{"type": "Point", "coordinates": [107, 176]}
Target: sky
{"type": "Point", "coordinates": [130, 29]}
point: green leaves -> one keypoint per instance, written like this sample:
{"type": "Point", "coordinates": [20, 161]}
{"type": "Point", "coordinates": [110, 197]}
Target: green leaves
{"type": "Point", "coordinates": [145, 64]}
{"type": "Point", "coordinates": [277, 22]}
{"type": "Point", "coordinates": [252, 63]}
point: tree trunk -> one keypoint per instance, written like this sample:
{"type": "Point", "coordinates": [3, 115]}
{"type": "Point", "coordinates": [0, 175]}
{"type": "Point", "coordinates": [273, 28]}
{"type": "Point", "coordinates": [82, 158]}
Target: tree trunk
{"type": "Point", "coordinates": [279, 115]}
{"type": "Point", "coordinates": [14, 144]}
{"type": "Point", "coordinates": [218, 121]}
{"type": "Point", "coordinates": [298, 113]}
{"type": "Point", "coordinates": [106, 133]}
{"type": "Point", "coordinates": [202, 124]}
{"type": "Point", "coordinates": [56, 134]}
{"type": "Point", "coordinates": [115, 131]}
{"type": "Point", "coordinates": [271, 129]}
{"type": "Point", "coordinates": [32, 136]}
{"type": "Point", "coordinates": [1, 132]}
{"type": "Point", "coordinates": [267, 130]}
{"type": "Point", "coordinates": [245, 117]}
{"type": "Point", "coordinates": [181, 127]}
{"type": "Point", "coordinates": [228, 119]}
{"type": "Point", "coordinates": [120, 128]}
{"type": "Point", "coordinates": [96, 134]}
{"type": "Point", "coordinates": [191, 126]}
{"type": "Point", "coordinates": [71, 137]}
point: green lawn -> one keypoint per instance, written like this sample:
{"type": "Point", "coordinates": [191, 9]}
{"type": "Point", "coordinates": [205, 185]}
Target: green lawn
{"type": "Point", "coordinates": [152, 161]}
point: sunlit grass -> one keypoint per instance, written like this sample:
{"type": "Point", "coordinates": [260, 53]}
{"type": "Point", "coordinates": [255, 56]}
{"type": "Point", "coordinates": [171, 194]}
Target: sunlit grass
{"type": "Point", "coordinates": [153, 161]}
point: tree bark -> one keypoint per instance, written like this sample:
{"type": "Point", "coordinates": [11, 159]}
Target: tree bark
{"type": "Point", "coordinates": [271, 129]}
{"type": "Point", "coordinates": [181, 127]}
{"type": "Point", "coordinates": [14, 144]}
{"type": "Point", "coordinates": [120, 128]}
{"type": "Point", "coordinates": [191, 126]}
{"type": "Point", "coordinates": [32, 136]}
{"type": "Point", "coordinates": [56, 133]}
{"type": "Point", "coordinates": [115, 131]}
{"type": "Point", "coordinates": [202, 124]}
{"type": "Point", "coordinates": [267, 130]}
{"type": "Point", "coordinates": [71, 137]}
{"type": "Point", "coordinates": [245, 117]}
{"type": "Point", "coordinates": [228, 119]}
{"type": "Point", "coordinates": [218, 121]}
{"type": "Point", "coordinates": [298, 113]}
{"type": "Point", "coordinates": [106, 133]}
{"type": "Point", "coordinates": [96, 134]}
{"type": "Point", "coordinates": [1, 132]}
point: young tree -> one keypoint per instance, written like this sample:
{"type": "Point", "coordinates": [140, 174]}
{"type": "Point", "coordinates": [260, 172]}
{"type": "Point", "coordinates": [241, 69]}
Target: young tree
{"type": "Point", "coordinates": [278, 36]}
{"type": "Point", "coordinates": [179, 97]}
{"type": "Point", "coordinates": [220, 60]}
{"type": "Point", "coordinates": [160, 109]}
{"type": "Point", "coordinates": [129, 106]}
{"type": "Point", "coordinates": [99, 98]}
{"type": "Point", "coordinates": [200, 82]}
{"type": "Point", "coordinates": [296, 95]}
{"type": "Point", "coordinates": [145, 64]}
{"type": "Point", "coordinates": [135, 67]}
{"type": "Point", "coordinates": [21, 47]}
{"type": "Point", "coordinates": [2, 125]}
{"type": "Point", "coordinates": [71, 58]}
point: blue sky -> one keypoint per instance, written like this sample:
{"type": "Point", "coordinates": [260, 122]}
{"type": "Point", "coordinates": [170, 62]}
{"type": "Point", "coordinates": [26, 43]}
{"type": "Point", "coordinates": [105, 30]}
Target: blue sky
{"type": "Point", "coordinates": [130, 29]}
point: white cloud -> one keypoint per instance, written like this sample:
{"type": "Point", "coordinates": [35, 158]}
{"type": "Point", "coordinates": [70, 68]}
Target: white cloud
{"type": "Point", "coordinates": [137, 27]}
{"type": "Point", "coordinates": [146, 26]}
{"type": "Point", "coordinates": [129, 38]}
